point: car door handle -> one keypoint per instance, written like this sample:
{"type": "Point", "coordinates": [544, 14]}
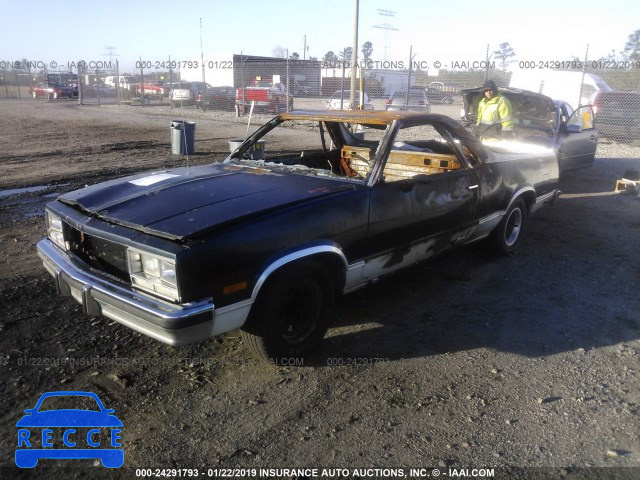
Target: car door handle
{"type": "Point", "coordinates": [593, 137]}
{"type": "Point", "coordinates": [472, 187]}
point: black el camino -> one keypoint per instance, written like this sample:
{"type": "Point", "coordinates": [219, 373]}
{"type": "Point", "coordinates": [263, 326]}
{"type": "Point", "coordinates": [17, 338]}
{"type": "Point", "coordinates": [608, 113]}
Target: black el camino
{"type": "Point", "coordinates": [265, 240]}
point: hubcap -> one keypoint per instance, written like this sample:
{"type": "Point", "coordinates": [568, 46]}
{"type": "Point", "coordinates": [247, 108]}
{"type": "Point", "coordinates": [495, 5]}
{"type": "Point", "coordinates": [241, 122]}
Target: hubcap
{"type": "Point", "coordinates": [513, 227]}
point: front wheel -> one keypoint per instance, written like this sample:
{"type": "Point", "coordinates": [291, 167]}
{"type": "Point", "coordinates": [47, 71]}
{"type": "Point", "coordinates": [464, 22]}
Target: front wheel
{"type": "Point", "coordinates": [507, 235]}
{"type": "Point", "coordinates": [292, 313]}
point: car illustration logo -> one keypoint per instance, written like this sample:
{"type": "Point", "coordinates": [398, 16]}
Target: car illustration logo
{"type": "Point", "coordinates": [53, 430]}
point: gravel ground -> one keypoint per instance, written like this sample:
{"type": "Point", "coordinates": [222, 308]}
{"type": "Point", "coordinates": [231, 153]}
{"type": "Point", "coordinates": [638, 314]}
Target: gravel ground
{"type": "Point", "coordinates": [527, 364]}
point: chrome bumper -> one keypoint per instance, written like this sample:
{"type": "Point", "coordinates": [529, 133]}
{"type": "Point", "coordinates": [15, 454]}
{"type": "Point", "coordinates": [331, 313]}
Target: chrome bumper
{"type": "Point", "coordinates": [166, 322]}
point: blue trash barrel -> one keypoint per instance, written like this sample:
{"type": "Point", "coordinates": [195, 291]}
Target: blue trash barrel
{"type": "Point", "coordinates": [183, 137]}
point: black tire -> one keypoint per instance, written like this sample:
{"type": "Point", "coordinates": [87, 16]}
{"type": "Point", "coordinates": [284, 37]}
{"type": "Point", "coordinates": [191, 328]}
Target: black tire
{"type": "Point", "coordinates": [291, 314]}
{"type": "Point", "coordinates": [507, 235]}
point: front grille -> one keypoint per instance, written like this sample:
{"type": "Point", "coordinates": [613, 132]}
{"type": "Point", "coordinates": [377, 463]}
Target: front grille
{"type": "Point", "coordinates": [100, 254]}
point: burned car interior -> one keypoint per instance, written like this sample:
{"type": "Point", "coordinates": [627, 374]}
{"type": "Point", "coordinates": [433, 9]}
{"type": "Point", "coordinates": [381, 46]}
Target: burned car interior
{"type": "Point", "coordinates": [348, 150]}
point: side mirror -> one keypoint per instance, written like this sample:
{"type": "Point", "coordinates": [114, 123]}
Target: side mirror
{"type": "Point", "coordinates": [574, 129]}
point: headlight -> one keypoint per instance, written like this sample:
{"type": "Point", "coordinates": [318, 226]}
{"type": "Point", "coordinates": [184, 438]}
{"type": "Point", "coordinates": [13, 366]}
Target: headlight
{"type": "Point", "coordinates": [153, 274]}
{"type": "Point", "coordinates": [54, 230]}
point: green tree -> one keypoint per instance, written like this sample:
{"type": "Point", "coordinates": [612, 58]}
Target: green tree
{"type": "Point", "coordinates": [330, 58]}
{"type": "Point", "coordinates": [505, 55]}
{"type": "Point", "coordinates": [367, 51]}
{"type": "Point", "coordinates": [632, 47]}
{"type": "Point", "coordinates": [346, 54]}
{"type": "Point", "coordinates": [294, 56]}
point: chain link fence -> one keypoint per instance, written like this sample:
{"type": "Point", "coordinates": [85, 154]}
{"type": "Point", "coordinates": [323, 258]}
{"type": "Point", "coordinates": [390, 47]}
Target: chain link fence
{"type": "Point", "coordinates": [246, 83]}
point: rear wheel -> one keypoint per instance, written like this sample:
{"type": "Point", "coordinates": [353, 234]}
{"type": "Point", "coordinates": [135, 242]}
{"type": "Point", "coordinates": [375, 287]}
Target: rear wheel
{"type": "Point", "coordinates": [507, 235]}
{"type": "Point", "coordinates": [292, 313]}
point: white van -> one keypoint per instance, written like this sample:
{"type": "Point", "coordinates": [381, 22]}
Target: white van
{"type": "Point", "coordinates": [121, 81]}
{"type": "Point", "coordinates": [560, 85]}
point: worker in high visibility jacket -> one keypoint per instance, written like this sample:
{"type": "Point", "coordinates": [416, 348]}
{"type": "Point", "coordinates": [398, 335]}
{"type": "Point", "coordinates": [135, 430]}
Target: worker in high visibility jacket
{"type": "Point", "coordinates": [494, 113]}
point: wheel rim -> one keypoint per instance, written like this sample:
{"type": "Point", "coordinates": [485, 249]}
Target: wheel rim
{"type": "Point", "coordinates": [300, 312]}
{"type": "Point", "coordinates": [513, 227]}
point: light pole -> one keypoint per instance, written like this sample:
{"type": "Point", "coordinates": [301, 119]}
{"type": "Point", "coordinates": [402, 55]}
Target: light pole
{"type": "Point", "coordinates": [352, 94]}
{"type": "Point", "coordinates": [201, 51]}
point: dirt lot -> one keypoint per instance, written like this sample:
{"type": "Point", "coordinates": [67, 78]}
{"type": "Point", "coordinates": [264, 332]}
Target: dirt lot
{"type": "Point", "coordinates": [468, 361]}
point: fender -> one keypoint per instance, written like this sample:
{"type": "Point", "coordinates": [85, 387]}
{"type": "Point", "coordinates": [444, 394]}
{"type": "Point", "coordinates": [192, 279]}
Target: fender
{"type": "Point", "coordinates": [519, 193]}
{"type": "Point", "coordinates": [292, 257]}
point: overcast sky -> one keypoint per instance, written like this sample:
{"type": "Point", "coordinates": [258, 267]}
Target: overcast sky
{"type": "Point", "coordinates": [445, 31]}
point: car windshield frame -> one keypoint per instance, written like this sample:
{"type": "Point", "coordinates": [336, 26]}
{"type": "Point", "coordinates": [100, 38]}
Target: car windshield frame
{"type": "Point", "coordinates": [455, 136]}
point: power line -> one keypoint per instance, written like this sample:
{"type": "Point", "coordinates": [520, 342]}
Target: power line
{"type": "Point", "coordinates": [386, 27]}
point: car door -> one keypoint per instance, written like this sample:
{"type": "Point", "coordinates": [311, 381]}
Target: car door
{"type": "Point", "coordinates": [577, 137]}
{"type": "Point", "coordinates": [413, 218]}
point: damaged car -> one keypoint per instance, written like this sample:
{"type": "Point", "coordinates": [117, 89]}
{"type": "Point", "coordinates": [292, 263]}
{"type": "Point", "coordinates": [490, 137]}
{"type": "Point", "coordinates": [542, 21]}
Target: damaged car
{"type": "Point", "coordinates": [570, 133]}
{"type": "Point", "coordinates": [265, 240]}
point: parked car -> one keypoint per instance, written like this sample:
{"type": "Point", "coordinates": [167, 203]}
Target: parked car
{"type": "Point", "coordinates": [59, 410]}
{"type": "Point", "coordinates": [414, 100]}
{"type": "Point", "coordinates": [571, 134]}
{"type": "Point", "coordinates": [339, 100]}
{"type": "Point", "coordinates": [171, 85]}
{"type": "Point", "coordinates": [154, 90]}
{"type": "Point", "coordinates": [265, 95]}
{"type": "Point", "coordinates": [265, 245]}
{"type": "Point", "coordinates": [185, 94]}
{"type": "Point", "coordinates": [438, 96]}
{"type": "Point", "coordinates": [617, 115]}
{"type": "Point", "coordinates": [104, 91]}
{"type": "Point", "coordinates": [217, 98]}
{"type": "Point", "coordinates": [53, 91]}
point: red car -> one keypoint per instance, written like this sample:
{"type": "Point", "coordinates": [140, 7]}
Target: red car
{"type": "Point", "coordinates": [53, 90]}
{"type": "Point", "coordinates": [150, 89]}
{"type": "Point", "coordinates": [267, 96]}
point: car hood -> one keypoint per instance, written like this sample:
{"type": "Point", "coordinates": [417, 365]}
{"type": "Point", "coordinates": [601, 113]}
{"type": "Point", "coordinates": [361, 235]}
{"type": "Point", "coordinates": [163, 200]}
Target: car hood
{"type": "Point", "coordinates": [530, 109]}
{"type": "Point", "coordinates": [186, 202]}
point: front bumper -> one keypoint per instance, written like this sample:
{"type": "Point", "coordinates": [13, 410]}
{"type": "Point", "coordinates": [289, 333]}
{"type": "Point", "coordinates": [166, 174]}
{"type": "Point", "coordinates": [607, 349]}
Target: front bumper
{"type": "Point", "coordinates": [166, 322]}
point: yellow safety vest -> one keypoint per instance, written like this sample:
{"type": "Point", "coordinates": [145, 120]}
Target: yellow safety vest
{"type": "Point", "coordinates": [495, 111]}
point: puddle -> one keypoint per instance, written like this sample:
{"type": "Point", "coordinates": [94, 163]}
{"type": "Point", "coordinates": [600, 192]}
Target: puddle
{"type": "Point", "coordinates": [19, 205]}
{"type": "Point", "coordinates": [38, 188]}
{"type": "Point", "coordinates": [20, 191]}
